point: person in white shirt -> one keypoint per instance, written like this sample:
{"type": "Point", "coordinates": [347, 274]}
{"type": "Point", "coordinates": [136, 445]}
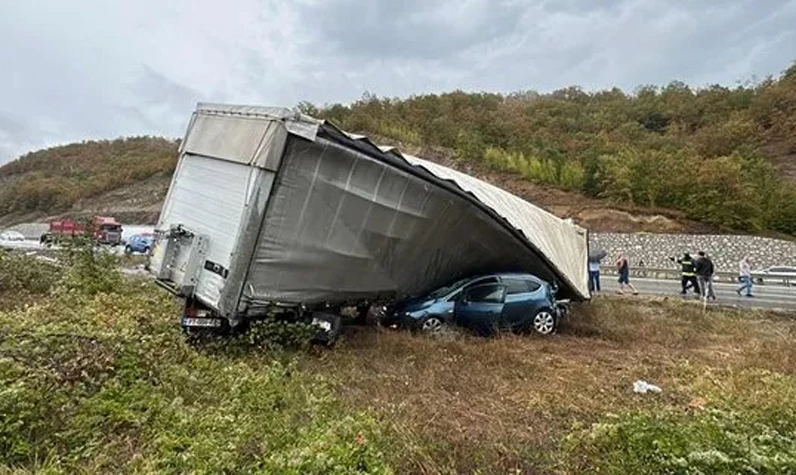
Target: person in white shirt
{"type": "Point", "coordinates": [745, 276]}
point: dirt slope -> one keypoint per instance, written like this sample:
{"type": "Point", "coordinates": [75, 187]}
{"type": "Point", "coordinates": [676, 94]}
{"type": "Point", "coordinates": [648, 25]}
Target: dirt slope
{"type": "Point", "coordinates": [138, 203]}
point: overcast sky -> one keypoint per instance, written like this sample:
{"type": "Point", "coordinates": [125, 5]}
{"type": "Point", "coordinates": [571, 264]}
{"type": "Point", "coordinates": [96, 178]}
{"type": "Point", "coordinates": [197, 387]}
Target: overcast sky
{"type": "Point", "coordinates": [84, 69]}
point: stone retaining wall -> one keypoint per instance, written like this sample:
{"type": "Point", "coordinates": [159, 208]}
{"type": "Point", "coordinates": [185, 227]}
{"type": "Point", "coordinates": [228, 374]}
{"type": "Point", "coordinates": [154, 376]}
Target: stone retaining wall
{"type": "Point", "coordinates": [725, 250]}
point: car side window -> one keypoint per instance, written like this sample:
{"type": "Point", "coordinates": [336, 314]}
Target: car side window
{"type": "Point", "coordinates": [533, 286]}
{"type": "Point", "coordinates": [485, 293]}
{"type": "Point", "coordinates": [487, 280]}
{"type": "Point", "coordinates": [455, 297]}
{"type": "Point", "coordinates": [515, 286]}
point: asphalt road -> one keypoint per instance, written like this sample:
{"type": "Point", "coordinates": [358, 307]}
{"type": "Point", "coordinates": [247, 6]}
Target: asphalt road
{"type": "Point", "coordinates": [765, 296]}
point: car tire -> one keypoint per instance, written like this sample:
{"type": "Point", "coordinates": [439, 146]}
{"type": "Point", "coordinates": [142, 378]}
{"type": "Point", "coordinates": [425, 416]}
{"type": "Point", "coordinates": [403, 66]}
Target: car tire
{"type": "Point", "coordinates": [146, 251]}
{"type": "Point", "coordinates": [128, 250]}
{"type": "Point", "coordinates": [431, 324]}
{"type": "Point", "coordinates": [545, 322]}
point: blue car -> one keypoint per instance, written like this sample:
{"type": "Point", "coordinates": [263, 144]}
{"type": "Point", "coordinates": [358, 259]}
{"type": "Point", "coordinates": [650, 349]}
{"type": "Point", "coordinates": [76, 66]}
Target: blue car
{"type": "Point", "coordinates": [141, 243]}
{"type": "Point", "coordinates": [484, 304]}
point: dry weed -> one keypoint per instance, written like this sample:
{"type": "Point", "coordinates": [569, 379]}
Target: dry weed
{"type": "Point", "coordinates": [459, 403]}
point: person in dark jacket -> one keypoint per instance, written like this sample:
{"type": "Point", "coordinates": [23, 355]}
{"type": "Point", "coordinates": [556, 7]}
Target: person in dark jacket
{"type": "Point", "coordinates": [704, 271]}
{"type": "Point", "coordinates": [623, 269]}
{"type": "Point", "coordinates": [688, 273]}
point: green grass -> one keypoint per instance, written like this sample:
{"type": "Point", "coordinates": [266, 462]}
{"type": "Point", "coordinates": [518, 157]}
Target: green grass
{"type": "Point", "coordinates": [96, 377]}
{"type": "Point", "coordinates": [104, 382]}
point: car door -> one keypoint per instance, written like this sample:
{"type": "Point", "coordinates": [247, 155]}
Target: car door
{"type": "Point", "coordinates": [480, 307]}
{"type": "Point", "coordinates": [518, 309]}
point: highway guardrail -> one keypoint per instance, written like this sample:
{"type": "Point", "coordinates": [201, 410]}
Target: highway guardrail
{"type": "Point", "coordinates": [675, 274]}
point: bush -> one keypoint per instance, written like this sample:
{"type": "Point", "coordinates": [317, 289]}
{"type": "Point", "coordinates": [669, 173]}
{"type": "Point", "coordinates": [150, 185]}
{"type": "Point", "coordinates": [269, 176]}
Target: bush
{"type": "Point", "coordinates": [566, 175]}
{"type": "Point", "coordinates": [91, 269]}
{"type": "Point", "coordinates": [96, 376]}
{"type": "Point", "coordinates": [23, 274]}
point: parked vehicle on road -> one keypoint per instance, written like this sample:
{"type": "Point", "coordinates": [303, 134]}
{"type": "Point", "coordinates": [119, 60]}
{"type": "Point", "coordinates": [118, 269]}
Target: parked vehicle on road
{"type": "Point", "coordinates": [785, 274]}
{"type": "Point", "coordinates": [12, 236]}
{"type": "Point", "coordinates": [102, 229]}
{"type": "Point", "coordinates": [139, 243]}
{"type": "Point", "coordinates": [484, 304]}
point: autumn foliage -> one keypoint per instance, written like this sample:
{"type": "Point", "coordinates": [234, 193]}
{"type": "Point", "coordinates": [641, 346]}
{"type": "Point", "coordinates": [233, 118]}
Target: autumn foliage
{"type": "Point", "coordinates": [725, 156]}
{"type": "Point", "coordinates": [54, 179]}
{"type": "Point", "coordinates": [703, 151]}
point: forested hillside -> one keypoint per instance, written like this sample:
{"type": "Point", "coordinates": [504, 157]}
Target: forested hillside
{"type": "Point", "coordinates": [54, 179]}
{"type": "Point", "coordinates": [724, 156]}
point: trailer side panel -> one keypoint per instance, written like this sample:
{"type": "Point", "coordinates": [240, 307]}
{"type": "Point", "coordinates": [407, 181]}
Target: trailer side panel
{"type": "Point", "coordinates": [342, 225]}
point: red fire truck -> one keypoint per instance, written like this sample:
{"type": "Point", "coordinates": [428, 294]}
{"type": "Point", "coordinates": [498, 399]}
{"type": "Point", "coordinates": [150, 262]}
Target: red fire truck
{"type": "Point", "coordinates": [105, 230]}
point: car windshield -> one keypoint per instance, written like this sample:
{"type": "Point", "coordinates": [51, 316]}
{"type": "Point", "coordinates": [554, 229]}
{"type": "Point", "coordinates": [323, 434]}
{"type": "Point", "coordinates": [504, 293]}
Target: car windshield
{"type": "Point", "coordinates": [443, 291]}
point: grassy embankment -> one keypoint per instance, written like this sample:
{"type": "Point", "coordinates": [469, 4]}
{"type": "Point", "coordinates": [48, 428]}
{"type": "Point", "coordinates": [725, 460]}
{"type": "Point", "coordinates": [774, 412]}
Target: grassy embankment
{"type": "Point", "coordinates": [96, 377]}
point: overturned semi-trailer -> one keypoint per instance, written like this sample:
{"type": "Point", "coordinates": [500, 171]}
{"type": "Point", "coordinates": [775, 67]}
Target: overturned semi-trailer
{"type": "Point", "coordinates": [271, 209]}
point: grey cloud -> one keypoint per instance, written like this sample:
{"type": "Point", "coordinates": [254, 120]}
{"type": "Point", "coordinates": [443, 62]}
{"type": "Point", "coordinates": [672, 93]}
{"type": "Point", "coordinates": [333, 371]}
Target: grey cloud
{"type": "Point", "coordinates": [13, 132]}
{"type": "Point", "coordinates": [412, 29]}
{"type": "Point", "coordinates": [93, 69]}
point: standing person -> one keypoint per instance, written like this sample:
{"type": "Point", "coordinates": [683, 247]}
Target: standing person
{"type": "Point", "coordinates": [594, 269]}
{"type": "Point", "coordinates": [623, 269]}
{"type": "Point", "coordinates": [705, 270]}
{"type": "Point", "coordinates": [745, 275]}
{"type": "Point", "coordinates": [688, 273]}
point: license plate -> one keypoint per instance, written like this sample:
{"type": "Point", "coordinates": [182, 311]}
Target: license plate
{"type": "Point", "coordinates": [323, 324]}
{"type": "Point", "coordinates": [201, 322]}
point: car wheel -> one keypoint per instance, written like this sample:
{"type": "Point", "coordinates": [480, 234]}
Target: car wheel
{"type": "Point", "coordinates": [146, 251]}
{"type": "Point", "coordinates": [128, 250]}
{"type": "Point", "coordinates": [545, 322]}
{"type": "Point", "coordinates": [431, 324]}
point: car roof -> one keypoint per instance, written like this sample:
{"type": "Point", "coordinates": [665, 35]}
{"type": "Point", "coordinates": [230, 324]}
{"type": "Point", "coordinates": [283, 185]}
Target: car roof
{"type": "Point", "coordinates": [510, 275]}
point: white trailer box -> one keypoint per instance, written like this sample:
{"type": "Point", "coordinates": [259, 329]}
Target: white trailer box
{"type": "Point", "coordinates": [268, 207]}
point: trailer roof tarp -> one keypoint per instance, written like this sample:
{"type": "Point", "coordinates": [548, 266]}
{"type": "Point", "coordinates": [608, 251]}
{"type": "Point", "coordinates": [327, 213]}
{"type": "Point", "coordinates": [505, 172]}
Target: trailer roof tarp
{"type": "Point", "coordinates": [473, 226]}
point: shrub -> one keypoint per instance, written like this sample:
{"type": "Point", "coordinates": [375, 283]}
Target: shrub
{"type": "Point", "coordinates": [91, 269]}
{"type": "Point", "coordinates": [23, 274]}
{"type": "Point", "coordinates": [96, 377]}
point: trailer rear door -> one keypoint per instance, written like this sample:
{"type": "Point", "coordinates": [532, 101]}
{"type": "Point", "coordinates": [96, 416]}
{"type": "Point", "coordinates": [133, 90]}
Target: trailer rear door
{"type": "Point", "coordinates": [207, 198]}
